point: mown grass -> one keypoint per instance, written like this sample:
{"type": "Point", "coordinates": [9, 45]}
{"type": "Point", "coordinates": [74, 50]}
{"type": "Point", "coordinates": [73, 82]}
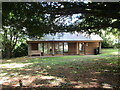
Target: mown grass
{"type": "Point", "coordinates": [107, 56]}
{"type": "Point", "coordinates": [64, 66]}
{"type": "Point", "coordinates": [109, 52]}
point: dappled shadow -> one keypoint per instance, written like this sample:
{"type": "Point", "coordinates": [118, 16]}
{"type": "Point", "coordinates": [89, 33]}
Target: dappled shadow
{"type": "Point", "coordinates": [95, 74]}
{"type": "Point", "coordinates": [89, 79]}
{"type": "Point", "coordinates": [53, 88]}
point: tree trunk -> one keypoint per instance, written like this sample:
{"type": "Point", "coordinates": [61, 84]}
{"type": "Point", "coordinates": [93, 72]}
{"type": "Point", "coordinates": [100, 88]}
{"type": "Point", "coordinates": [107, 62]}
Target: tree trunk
{"type": "Point", "coordinates": [8, 51]}
{"type": "Point", "coordinates": [8, 54]}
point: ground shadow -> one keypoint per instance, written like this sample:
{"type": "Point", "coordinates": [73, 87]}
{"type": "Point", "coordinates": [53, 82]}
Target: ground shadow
{"type": "Point", "coordinates": [83, 75]}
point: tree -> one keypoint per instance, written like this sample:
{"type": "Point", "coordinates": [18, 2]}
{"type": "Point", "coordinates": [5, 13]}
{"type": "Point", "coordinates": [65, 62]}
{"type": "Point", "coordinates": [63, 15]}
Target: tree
{"type": "Point", "coordinates": [10, 38]}
{"type": "Point", "coordinates": [12, 32]}
{"type": "Point", "coordinates": [109, 38]}
{"type": "Point", "coordinates": [43, 15]}
{"type": "Point", "coordinates": [17, 25]}
{"type": "Point", "coordinates": [37, 19]}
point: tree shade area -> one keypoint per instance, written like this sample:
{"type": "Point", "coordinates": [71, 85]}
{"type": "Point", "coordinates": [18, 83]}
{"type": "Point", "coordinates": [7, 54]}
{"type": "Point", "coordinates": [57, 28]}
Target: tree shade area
{"type": "Point", "coordinates": [76, 72]}
{"type": "Point", "coordinates": [23, 20]}
{"type": "Point", "coordinates": [34, 19]}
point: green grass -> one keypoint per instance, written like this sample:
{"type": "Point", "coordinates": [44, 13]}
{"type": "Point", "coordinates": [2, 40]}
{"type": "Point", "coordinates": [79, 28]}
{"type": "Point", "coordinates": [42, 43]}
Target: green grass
{"type": "Point", "coordinates": [109, 52]}
{"type": "Point", "coordinates": [63, 66]}
{"type": "Point", "coordinates": [67, 60]}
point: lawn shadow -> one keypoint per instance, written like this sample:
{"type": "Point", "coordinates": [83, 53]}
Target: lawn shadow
{"type": "Point", "coordinates": [94, 73]}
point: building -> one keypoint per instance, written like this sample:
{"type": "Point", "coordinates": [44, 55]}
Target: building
{"type": "Point", "coordinates": [65, 44]}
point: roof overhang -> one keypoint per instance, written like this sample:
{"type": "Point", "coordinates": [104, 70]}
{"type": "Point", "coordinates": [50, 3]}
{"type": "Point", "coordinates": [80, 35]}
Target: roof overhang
{"type": "Point", "coordinates": [82, 41]}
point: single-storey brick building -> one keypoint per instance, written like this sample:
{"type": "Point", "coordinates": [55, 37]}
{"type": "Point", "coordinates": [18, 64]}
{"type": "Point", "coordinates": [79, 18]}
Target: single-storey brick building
{"type": "Point", "coordinates": [65, 44]}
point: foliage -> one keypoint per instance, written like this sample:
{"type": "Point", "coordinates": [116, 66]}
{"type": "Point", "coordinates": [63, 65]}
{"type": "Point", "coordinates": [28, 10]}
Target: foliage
{"type": "Point", "coordinates": [107, 43]}
{"type": "Point", "coordinates": [109, 37]}
{"type": "Point", "coordinates": [10, 38]}
{"type": "Point", "coordinates": [117, 45]}
{"type": "Point", "coordinates": [21, 50]}
{"type": "Point", "coordinates": [40, 18]}
{"type": "Point", "coordinates": [34, 19]}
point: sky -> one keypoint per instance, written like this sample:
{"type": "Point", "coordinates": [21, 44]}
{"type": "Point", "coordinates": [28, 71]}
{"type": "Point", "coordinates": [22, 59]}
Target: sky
{"type": "Point", "coordinates": [68, 20]}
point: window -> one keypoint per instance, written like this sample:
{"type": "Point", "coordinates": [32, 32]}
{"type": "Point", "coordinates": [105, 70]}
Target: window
{"type": "Point", "coordinates": [61, 48]}
{"type": "Point", "coordinates": [34, 46]}
{"type": "Point", "coordinates": [65, 47]}
{"type": "Point", "coordinates": [81, 46]}
{"type": "Point", "coordinates": [40, 47]}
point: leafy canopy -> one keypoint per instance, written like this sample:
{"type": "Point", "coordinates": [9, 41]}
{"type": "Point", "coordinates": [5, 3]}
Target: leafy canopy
{"type": "Point", "coordinates": [38, 18]}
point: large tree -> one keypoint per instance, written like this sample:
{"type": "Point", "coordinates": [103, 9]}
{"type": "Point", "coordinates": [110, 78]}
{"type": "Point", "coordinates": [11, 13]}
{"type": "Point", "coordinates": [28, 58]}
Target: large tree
{"type": "Point", "coordinates": [41, 16]}
{"type": "Point", "coordinates": [36, 19]}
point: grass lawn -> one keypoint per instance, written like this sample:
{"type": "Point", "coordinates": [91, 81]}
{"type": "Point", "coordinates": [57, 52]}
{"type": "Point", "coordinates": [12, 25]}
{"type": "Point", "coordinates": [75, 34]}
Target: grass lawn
{"type": "Point", "coordinates": [88, 71]}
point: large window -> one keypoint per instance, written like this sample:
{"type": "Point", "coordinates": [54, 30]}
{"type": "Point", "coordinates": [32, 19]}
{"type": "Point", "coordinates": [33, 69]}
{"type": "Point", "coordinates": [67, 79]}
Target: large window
{"type": "Point", "coordinates": [45, 48]}
{"type": "Point", "coordinates": [41, 47]}
{"type": "Point", "coordinates": [81, 47]}
{"type": "Point", "coordinates": [34, 46]}
{"type": "Point", "coordinates": [50, 46]}
{"type": "Point", "coordinates": [66, 47]}
{"type": "Point", "coordinates": [61, 48]}
{"type": "Point", "coordinates": [56, 48]}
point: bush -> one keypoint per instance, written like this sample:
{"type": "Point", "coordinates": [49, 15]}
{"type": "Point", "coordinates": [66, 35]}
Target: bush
{"type": "Point", "coordinates": [21, 50]}
{"type": "Point", "coordinates": [107, 42]}
{"type": "Point", "coordinates": [117, 45]}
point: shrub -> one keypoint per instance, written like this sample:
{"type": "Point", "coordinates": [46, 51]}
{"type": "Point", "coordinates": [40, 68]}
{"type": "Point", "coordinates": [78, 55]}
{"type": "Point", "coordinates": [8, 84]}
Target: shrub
{"type": "Point", "coordinates": [117, 45]}
{"type": "Point", "coordinates": [21, 50]}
